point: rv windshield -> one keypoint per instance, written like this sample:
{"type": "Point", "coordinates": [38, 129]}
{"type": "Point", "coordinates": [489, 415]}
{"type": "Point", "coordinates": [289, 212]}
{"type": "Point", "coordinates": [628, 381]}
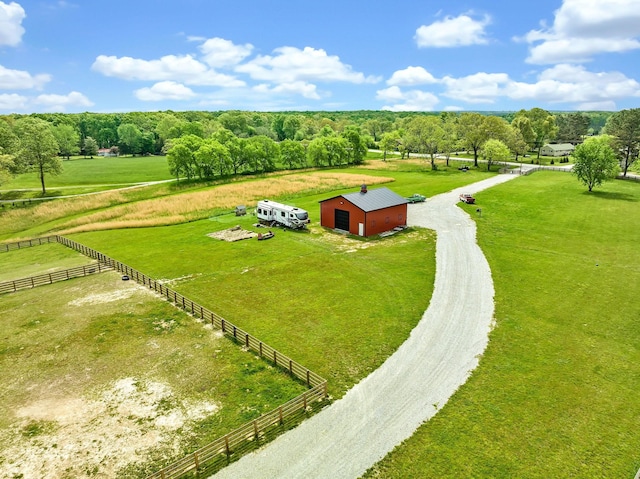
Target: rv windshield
{"type": "Point", "coordinates": [302, 216]}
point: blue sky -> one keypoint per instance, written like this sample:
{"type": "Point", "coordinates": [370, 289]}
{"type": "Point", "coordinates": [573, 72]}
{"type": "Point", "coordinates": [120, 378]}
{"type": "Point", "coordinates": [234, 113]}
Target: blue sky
{"type": "Point", "coordinates": [402, 55]}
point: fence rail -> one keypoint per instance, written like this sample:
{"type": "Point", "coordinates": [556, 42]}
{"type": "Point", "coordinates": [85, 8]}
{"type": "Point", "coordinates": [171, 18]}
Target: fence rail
{"type": "Point", "coordinates": [54, 277]}
{"type": "Point", "coordinates": [220, 451]}
{"type": "Point", "coordinates": [4, 247]}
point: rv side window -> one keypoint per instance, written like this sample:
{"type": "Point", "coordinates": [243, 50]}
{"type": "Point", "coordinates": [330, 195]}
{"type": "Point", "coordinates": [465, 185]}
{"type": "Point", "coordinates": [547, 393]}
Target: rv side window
{"type": "Point", "coordinates": [282, 213]}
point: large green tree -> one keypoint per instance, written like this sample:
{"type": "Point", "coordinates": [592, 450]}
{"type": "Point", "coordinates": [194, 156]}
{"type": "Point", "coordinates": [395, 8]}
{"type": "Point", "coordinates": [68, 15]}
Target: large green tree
{"type": "Point", "coordinates": [38, 149]}
{"type": "Point", "coordinates": [292, 154]}
{"type": "Point", "coordinates": [8, 145]}
{"type": "Point", "coordinates": [471, 133]}
{"type": "Point", "coordinates": [572, 127]}
{"type": "Point", "coordinates": [212, 157]}
{"type": "Point", "coordinates": [594, 161]}
{"type": "Point", "coordinates": [129, 139]}
{"type": "Point", "coordinates": [90, 147]}
{"type": "Point", "coordinates": [543, 125]}
{"type": "Point", "coordinates": [493, 151]}
{"type": "Point", "coordinates": [624, 127]}
{"type": "Point", "coordinates": [425, 135]}
{"type": "Point", "coordinates": [68, 139]}
{"type": "Point", "coordinates": [262, 152]}
{"type": "Point", "coordinates": [357, 148]}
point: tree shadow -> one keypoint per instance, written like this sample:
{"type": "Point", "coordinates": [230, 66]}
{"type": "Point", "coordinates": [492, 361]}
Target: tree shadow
{"type": "Point", "coordinates": [611, 195]}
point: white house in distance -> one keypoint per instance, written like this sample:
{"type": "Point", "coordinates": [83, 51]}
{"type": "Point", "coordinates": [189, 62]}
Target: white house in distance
{"type": "Point", "coordinates": [106, 152]}
{"type": "Point", "coordinates": [557, 149]}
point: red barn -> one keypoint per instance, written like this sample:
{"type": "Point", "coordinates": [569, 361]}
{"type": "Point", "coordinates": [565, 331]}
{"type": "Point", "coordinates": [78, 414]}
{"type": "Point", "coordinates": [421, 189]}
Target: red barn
{"type": "Point", "coordinates": [365, 213]}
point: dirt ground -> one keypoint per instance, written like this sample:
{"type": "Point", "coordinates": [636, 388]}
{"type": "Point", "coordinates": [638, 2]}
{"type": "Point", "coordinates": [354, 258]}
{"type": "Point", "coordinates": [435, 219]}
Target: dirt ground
{"type": "Point", "coordinates": [233, 234]}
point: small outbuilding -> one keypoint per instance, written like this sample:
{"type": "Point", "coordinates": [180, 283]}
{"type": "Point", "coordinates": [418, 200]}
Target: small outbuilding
{"type": "Point", "coordinates": [365, 213]}
{"type": "Point", "coordinates": [557, 149]}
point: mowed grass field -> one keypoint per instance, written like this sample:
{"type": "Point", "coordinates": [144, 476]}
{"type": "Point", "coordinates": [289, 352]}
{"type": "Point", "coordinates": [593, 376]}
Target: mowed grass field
{"type": "Point", "coordinates": [80, 171]}
{"type": "Point", "coordinates": [38, 260]}
{"type": "Point", "coordinates": [556, 393]}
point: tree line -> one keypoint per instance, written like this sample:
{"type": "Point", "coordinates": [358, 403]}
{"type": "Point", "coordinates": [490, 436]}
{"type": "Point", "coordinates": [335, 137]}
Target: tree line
{"type": "Point", "coordinates": [201, 144]}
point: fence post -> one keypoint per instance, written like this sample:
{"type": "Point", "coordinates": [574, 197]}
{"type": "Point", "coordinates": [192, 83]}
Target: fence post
{"type": "Point", "coordinates": [308, 379]}
{"type": "Point", "coordinates": [195, 459]}
{"type": "Point", "coordinates": [226, 445]}
{"type": "Point", "coordinates": [280, 415]}
{"type": "Point", "coordinates": [246, 339]}
{"type": "Point", "coordinates": [255, 428]}
{"type": "Point", "coordinates": [275, 357]}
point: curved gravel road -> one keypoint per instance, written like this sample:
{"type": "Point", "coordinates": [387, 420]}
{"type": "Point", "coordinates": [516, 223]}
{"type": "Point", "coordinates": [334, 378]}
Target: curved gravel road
{"type": "Point", "coordinates": [385, 408]}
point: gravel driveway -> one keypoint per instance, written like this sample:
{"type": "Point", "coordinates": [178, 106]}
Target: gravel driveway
{"type": "Point", "coordinates": [386, 407]}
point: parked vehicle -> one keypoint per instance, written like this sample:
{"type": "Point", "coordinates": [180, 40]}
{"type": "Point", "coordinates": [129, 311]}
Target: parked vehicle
{"type": "Point", "coordinates": [467, 198]}
{"type": "Point", "coordinates": [416, 198]}
{"type": "Point", "coordinates": [271, 213]}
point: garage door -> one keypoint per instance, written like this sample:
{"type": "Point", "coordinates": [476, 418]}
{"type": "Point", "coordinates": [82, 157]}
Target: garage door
{"type": "Point", "coordinates": [342, 220]}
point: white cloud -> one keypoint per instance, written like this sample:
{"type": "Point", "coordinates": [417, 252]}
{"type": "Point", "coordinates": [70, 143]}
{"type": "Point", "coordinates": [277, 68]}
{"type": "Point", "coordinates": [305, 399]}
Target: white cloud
{"type": "Point", "coordinates": [411, 76]}
{"type": "Point", "coordinates": [307, 90]}
{"type": "Point", "coordinates": [412, 100]}
{"type": "Point", "coordinates": [584, 28]}
{"type": "Point", "coordinates": [184, 69]}
{"type": "Point", "coordinates": [477, 88]}
{"type": "Point", "coordinates": [574, 84]}
{"type": "Point", "coordinates": [11, 29]}
{"type": "Point", "coordinates": [562, 84]}
{"type": "Point", "coordinates": [290, 64]}
{"type": "Point", "coordinates": [218, 52]}
{"type": "Point", "coordinates": [21, 80]}
{"type": "Point", "coordinates": [165, 90]}
{"type": "Point", "coordinates": [453, 32]}
{"type": "Point", "coordinates": [61, 102]}
{"type": "Point", "coordinates": [12, 102]}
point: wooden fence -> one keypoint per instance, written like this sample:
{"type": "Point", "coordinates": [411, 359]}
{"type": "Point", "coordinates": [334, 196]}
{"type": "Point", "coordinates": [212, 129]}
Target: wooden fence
{"type": "Point", "coordinates": [219, 452]}
{"type": "Point", "coordinates": [49, 278]}
{"type": "Point", "coordinates": [4, 247]}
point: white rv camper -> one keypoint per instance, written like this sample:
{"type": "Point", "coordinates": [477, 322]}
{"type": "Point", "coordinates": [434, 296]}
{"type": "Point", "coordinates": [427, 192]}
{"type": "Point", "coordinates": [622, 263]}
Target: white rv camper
{"type": "Point", "coordinates": [270, 212]}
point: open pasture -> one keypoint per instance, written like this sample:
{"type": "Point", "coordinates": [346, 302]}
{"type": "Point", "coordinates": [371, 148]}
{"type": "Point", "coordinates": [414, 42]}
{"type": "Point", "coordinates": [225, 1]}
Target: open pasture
{"type": "Point", "coordinates": [102, 377]}
{"type": "Point", "coordinates": [555, 394]}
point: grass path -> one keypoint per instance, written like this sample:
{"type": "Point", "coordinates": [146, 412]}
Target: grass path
{"type": "Point", "coordinates": [384, 409]}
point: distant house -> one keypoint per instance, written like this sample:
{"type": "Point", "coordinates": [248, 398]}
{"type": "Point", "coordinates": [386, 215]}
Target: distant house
{"type": "Point", "coordinates": [557, 149]}
{"type": "Point", "coordinates": [365, 213]}
{"type": "Point", "coordinates": [106, 152]}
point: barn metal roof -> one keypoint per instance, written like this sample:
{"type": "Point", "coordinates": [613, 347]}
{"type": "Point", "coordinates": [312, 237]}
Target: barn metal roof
{"type": "Point", "coordinates": [376, 199]}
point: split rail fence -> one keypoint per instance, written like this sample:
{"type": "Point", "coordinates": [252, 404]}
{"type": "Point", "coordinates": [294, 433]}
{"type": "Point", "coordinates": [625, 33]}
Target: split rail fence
{"type": "Point", "coordinates": [54, 277]}
{"type": "Point", "coordinates": [221, 451]}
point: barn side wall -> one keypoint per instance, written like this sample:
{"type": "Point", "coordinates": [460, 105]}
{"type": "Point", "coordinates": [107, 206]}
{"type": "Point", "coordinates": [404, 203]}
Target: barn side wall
{"type": "Point", "coordinates": [386, 219]}
{"type": "Point", "coordinates": [375, 222]}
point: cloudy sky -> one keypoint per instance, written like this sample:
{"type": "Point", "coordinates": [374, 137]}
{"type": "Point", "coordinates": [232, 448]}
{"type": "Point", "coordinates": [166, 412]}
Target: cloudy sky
{"type": "Point", "coordinates": [400, 55]}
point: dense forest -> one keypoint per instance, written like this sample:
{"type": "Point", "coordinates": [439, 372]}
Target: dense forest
{"type": "Point", "coordinates": [202, 144]}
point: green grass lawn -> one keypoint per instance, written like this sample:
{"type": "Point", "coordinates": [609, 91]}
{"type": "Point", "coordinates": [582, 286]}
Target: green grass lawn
{"type": "Point", "coordinates": [37, 260]}
{"type": "Point", "coordinates": [81, 171]}
{"type": "Point", "coordinates": [311, 295]}
{"type": "Point", "coordinates": [556, 393]}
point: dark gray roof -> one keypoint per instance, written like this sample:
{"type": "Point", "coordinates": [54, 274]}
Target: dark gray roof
{"type": "Point", "coordinates": [375, 199]}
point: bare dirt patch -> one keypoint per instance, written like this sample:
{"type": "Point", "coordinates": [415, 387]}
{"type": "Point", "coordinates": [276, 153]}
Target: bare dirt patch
{"type": "Point", "coordinates": [233, 234]}
{"type": "Point", "coordinates": [96, 436]}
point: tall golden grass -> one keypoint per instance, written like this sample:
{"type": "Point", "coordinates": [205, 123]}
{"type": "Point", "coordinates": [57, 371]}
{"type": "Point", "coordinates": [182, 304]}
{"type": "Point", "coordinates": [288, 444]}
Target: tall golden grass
{"type": "Point", "coordinates": [184, 207]}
